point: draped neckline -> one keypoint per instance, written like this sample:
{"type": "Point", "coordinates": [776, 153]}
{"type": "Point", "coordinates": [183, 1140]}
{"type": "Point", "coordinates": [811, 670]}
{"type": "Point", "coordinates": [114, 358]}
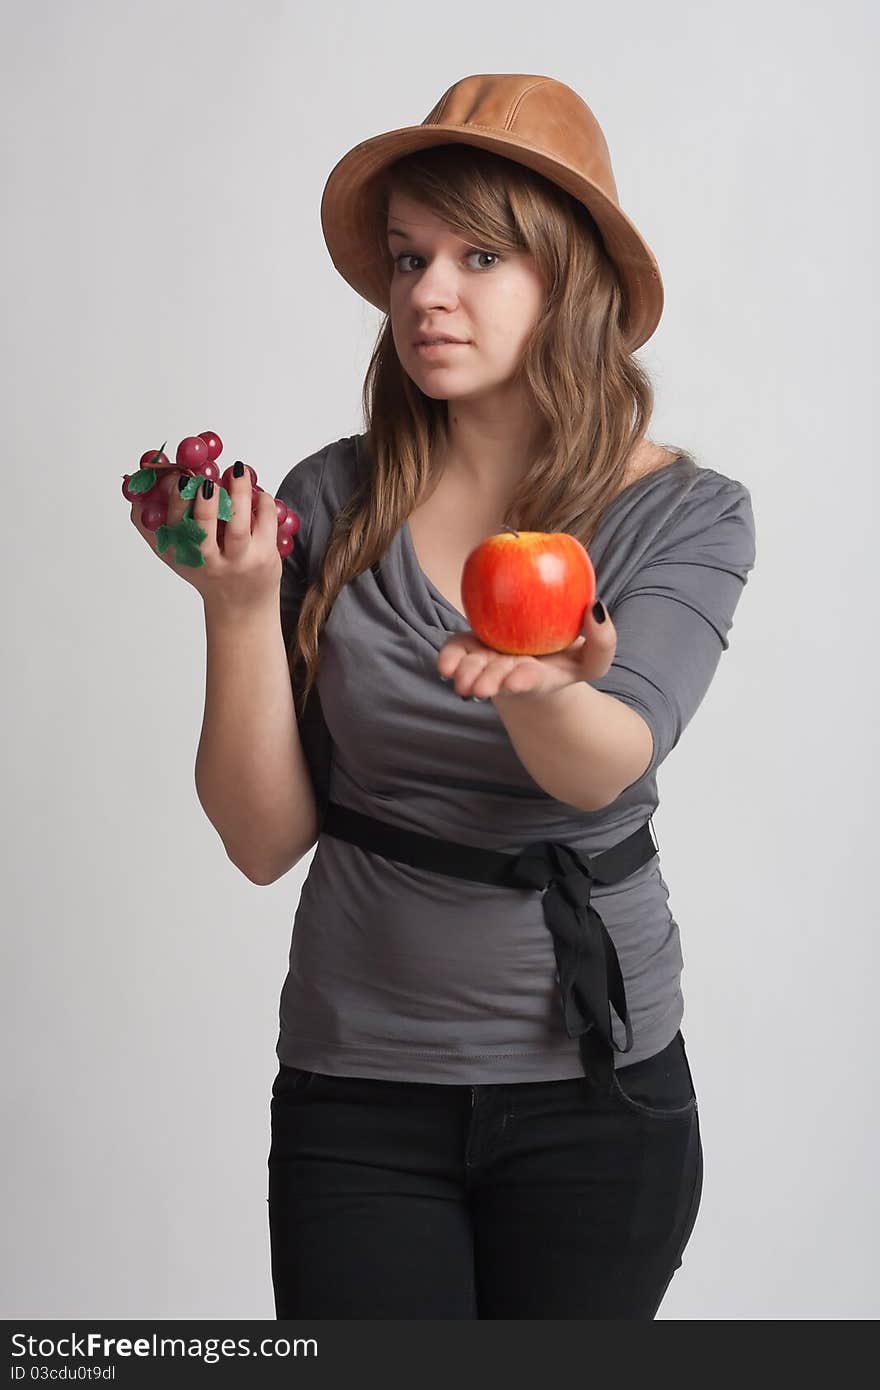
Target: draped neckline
{"type": "Point", "coordinates": [632, 489]}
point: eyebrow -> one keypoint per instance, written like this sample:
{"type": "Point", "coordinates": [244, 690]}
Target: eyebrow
{"type": "Point", "coordinates": [408, 236]}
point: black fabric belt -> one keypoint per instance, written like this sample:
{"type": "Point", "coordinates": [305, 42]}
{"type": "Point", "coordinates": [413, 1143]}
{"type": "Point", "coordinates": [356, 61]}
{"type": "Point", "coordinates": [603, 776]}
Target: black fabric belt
{"type": "Point", "coordinates": [589, 974]}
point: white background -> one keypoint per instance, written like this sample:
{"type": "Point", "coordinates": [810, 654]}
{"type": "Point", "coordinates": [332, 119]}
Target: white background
{"type": "Point", "coordinates": [165, 273]}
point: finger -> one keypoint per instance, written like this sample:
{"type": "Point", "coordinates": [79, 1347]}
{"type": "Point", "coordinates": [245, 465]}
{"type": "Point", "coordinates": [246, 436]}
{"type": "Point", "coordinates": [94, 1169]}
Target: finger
{"type": "Point", "coordinates": [453, 652]}
{"type": "Point", "coordinates": [177, 505]}
{"type": "Point", "coordinates": [523, 678]}
{"type": "Point", "coordinates": [266, 520]}
{"type": "Point", "coordinates": [204, 513]}
{"type": "Point", "coordinates": [600, 642]}
{"type": "Point", "coordinates": [167, 490]}
{"type": "Point", "coordinates": [514, 675]}
{"type": "Point", "coordinates": [237, 535]}
{"type": "Point", "coordinates": [469, 670]}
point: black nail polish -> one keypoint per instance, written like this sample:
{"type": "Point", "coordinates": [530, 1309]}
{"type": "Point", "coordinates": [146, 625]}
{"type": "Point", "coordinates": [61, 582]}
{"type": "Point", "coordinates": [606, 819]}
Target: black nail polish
{"type": "Point", "coordinates": [182, 481]}
{"type": "Point", "coordinates": [237, 468]}
{"type": "Point", "coordinates": [207, 489]}
{"type": "Point", "coordinates": [599, 612]}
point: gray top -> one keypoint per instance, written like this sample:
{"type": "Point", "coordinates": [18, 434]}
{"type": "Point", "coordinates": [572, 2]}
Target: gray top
{"type": "Point", "coordinates": [409, 975]}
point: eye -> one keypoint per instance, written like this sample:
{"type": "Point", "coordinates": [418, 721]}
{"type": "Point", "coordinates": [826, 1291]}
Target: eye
{"type": "Point", "coordinates": [407, 256]}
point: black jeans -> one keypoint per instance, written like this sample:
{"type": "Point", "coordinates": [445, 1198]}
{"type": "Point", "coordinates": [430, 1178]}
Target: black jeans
{"type": "Point", "coordinates": [538, 1199]}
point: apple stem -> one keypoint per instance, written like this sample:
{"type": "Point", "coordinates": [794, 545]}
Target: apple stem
{"type": "Point", "coordinates": [505, 527]}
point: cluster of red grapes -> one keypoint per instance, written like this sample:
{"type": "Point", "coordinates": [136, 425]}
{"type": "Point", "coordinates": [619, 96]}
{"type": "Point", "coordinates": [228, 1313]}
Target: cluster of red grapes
{"type": "Point", "coordinates": [155, 480]}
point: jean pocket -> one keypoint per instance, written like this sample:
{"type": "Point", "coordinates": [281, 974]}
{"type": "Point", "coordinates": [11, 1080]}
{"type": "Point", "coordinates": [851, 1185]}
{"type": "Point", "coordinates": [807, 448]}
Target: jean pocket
{"type": "Point", "coordinates": [659, 1087]}
{"type": "Point", "coordinates": [290, 1079]}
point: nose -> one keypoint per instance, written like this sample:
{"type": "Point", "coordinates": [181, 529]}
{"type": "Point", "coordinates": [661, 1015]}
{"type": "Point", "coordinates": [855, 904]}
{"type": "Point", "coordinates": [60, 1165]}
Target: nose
{"type": "Point", "coordinates": [434, 286]}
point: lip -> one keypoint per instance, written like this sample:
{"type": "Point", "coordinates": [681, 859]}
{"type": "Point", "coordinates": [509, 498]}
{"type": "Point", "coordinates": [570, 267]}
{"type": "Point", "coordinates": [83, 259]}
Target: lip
{"type": "Point", "coordinates": [437, 347]}
{"type": "Point", "coordinates": [432, 333]}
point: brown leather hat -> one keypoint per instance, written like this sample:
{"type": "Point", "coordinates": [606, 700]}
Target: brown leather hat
{"type": "Point", "coordinates": [535, 121]}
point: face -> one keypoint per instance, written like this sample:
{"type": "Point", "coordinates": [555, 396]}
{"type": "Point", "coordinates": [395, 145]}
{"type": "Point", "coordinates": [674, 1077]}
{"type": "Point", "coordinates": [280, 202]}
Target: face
{"type": "Point", "coordinates": [443, 285]}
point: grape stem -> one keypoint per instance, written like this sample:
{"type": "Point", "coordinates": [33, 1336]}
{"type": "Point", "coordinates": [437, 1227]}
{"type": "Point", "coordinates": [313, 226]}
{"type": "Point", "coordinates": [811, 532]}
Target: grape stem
{"type": "Point", "coordinates": [158, 454]}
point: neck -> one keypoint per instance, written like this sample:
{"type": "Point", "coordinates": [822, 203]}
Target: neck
{"type": "Point", "coordinates": [488, 456]}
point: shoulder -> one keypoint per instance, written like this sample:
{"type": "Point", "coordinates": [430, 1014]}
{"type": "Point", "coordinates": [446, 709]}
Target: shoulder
{"type": "Point", "coordinates": [713, 495]}
{"type": "Point", "coordinates": [326, 477]}
{"type": "Point", "coordinates": [647, 457]}
{"type": "Point", "coordinates": [677, 509]}
{"type": "Point", "coordinates": [712, 517]}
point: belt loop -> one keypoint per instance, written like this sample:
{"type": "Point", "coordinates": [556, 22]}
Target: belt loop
{"type": "Point", "coordinates": [653, 834]}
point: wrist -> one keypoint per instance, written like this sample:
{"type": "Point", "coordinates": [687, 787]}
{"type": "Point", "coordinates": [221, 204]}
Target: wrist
{"type": "Point", "coordinates": [221, 615]}
{"type": "Point", "coordinates": [560, 697]}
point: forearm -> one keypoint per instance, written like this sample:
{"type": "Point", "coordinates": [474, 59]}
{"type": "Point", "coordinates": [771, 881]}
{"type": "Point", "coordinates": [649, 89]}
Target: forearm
{"type": "Point", "coordinates": [251, 774]}
{"type": "Point", "coordinates": [582, 746]}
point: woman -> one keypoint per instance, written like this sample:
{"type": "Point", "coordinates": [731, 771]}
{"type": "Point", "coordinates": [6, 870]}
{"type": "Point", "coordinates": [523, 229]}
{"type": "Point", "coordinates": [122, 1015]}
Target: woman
{"type": "Point", "coordinates": [483, 1106]}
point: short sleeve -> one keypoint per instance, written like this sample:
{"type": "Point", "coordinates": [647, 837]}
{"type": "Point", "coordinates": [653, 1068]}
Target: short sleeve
{"type": "Point", "coordinates": [302, 490]}
{"type": "Point", "coordinates": [674, 616]}
{"type": "Point", "coordinates": [299, 491]}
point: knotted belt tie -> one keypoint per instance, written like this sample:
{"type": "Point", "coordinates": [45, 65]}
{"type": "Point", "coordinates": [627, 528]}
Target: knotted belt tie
{"type": "Point", "coordinates": [589, 974]}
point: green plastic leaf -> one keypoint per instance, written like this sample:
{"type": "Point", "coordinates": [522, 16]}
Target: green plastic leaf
{"type": "Point", "coordinates": [186, 537]}
{"type": "Point", "coordinates": [190, 555]}
{"type": "Point", "coordinates": [145, 478]}
{"type": "Point", "coordinates": [142, 480]}
{"type": "Point", "coordinates": [224, 501]}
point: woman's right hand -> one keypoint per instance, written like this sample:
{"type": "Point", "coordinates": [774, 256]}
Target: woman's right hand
{"type": "Point", "coordinates": [244, 574]}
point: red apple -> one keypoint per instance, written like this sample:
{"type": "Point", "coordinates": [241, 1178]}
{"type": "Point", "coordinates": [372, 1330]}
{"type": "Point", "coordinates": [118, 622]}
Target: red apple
{"type": "Point", "coordinates": [525, 592]}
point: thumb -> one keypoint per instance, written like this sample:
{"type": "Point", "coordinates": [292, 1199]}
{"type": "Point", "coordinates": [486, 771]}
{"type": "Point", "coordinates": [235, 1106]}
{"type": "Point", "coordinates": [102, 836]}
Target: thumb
{"type": "Point", "coordinates": [600, 642]}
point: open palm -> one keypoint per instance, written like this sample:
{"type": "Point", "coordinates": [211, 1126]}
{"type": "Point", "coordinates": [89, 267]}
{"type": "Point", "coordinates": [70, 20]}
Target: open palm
{"type": "Point", "coordinates": [481, 671]}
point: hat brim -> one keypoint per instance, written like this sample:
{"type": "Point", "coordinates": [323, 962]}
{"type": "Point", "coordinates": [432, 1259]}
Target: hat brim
{"type": "Point", "coordinates": [350, 210]}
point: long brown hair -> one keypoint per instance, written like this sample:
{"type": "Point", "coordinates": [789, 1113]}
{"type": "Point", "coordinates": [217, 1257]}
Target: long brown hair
{"type": "Point", "coordinates": [592, 396]}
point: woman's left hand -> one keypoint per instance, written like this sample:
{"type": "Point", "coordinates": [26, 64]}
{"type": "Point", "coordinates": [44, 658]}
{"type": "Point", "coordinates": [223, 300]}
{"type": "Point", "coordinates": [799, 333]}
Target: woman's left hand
{"type": "Point", "coordinates": [480, 671]}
